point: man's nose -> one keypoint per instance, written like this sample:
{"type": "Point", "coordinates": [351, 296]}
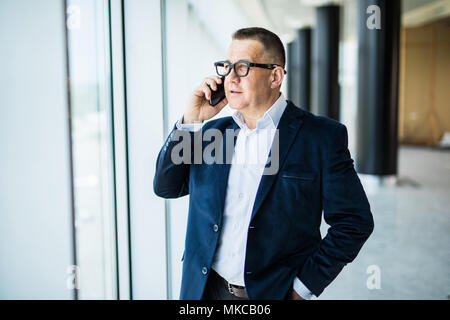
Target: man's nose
{"type": "Point", "coordinates": [232, 76]}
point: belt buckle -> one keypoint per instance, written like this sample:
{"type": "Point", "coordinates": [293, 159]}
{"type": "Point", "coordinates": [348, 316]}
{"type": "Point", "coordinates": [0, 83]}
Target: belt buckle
{"type": "Point", "coordinates": [230, 288]}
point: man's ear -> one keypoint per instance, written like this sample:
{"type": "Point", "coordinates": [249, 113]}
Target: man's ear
{"type": "Point", "coordinates": [277, 77]}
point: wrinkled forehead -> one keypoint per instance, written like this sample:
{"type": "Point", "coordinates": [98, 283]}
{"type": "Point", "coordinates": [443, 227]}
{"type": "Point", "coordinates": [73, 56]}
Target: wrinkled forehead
{"type": "Point", "coordinates": [249, 50]}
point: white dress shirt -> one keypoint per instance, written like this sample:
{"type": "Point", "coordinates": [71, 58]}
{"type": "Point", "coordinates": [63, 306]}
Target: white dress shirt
{"type": "Point", "coordinates": [249, 158]}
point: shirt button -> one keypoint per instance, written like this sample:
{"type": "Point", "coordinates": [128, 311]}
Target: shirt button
{"type": "Point", "coordinates": [216, 228]}
{"type": "Point", "coordinates": [205, 270]}
{"type": "Point", "coordinates": [241, 195]}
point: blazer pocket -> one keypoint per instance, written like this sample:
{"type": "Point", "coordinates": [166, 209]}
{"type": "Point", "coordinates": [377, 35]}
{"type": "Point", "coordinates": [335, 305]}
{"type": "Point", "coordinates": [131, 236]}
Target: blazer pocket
{"type": "Point", "coordinates": [296, 176]}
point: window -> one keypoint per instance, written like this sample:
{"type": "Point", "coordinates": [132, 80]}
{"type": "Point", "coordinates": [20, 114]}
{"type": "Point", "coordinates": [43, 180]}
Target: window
{"type": "Point", "coordinates": [93, 161]}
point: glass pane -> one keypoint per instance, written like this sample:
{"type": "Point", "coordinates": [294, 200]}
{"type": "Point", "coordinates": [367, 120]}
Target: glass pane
{"type": "Point", "coordinates": [90, 92]}
{"type": "Point", "coordinates": [241, 69]}
{"type": "Point", "coordinates": [222, 68]}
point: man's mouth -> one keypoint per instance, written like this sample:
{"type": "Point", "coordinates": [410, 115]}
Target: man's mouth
{"type": "Point", "coordinates": [234, 92]}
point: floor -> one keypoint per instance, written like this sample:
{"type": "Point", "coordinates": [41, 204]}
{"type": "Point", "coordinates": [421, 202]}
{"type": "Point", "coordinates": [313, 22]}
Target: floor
{"type": "Point", "coordinates": [408, 254]}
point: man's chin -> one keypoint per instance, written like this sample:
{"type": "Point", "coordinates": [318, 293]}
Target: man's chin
{"type": "Point", "coordinates": [235, 105]}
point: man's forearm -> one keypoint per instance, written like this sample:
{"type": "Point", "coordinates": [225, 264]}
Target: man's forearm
{"type": "Point", "coordinates": [171, 180]}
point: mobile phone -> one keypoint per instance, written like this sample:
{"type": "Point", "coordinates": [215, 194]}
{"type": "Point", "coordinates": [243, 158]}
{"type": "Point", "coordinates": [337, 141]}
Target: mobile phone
{"type": "Point", "coordinates": [219, 94]}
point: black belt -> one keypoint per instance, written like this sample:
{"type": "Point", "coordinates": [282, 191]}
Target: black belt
{"type": "Point", "coordinates": [235, 290]}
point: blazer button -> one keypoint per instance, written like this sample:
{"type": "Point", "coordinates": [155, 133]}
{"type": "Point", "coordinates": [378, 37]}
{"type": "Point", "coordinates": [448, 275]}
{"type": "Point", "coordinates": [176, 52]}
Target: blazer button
{"type": "Point", "coordinates": [205, 270]}
{"type": "Point", "coordinates": [216, 228]}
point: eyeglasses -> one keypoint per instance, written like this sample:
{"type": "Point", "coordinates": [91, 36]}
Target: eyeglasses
{"type": "Point", "coordinates": [241, 67]}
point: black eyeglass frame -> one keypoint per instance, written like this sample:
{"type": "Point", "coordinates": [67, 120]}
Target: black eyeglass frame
{"type": "Point", "coordinates": [232, 66]}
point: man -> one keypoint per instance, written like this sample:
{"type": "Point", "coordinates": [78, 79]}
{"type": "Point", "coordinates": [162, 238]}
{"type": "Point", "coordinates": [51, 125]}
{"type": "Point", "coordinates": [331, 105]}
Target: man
{"type": "Point", "coordinates": [253, 235]}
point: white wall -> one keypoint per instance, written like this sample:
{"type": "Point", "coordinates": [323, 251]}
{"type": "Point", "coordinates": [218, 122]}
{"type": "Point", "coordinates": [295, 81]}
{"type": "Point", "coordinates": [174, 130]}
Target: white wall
{"type": "Point", "coordinates": [35, 201]}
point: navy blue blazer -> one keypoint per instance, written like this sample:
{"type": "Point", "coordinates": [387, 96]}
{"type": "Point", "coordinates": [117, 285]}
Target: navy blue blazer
{"type": "Point", "coordinates": [316, 174]}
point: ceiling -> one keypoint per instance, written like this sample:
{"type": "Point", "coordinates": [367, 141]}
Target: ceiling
{"type": "Point", "coordinates": [285, 16]}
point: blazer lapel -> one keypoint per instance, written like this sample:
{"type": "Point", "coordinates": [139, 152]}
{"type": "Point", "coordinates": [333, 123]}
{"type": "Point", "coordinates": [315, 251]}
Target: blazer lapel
{"type": "Point", "coordinates": [289, 124]}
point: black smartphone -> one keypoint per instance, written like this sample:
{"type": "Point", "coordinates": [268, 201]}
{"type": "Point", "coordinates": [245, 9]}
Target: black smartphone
{"type": "Point", "coordinates": [218, 95]}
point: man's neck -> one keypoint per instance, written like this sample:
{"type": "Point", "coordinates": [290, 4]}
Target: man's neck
{"type": "Point", "coordinates": [252, 115]}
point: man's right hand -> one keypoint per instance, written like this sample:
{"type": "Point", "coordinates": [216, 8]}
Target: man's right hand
{"type": "Point", "coordinates": [198, 108]}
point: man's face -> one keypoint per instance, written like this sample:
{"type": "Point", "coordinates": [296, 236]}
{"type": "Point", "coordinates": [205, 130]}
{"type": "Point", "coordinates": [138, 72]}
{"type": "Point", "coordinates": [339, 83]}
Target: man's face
{"type": "Point", "coordinates": [254, 89]}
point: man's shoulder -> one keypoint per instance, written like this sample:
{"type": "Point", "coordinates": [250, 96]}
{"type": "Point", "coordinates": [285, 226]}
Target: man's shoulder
{"type": "Point", "coordinates": [317, 123]}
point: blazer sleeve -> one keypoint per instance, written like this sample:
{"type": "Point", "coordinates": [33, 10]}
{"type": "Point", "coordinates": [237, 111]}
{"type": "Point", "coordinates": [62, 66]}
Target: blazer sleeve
{"type": "Point", "coordinates": [171, 178]}
{"type": "Point", "coordinates": [347, 211]}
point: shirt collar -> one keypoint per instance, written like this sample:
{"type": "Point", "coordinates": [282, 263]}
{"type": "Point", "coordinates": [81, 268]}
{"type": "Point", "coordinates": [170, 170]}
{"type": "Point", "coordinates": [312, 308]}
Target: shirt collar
{"type": "Point", "coordinates": [270, 118]}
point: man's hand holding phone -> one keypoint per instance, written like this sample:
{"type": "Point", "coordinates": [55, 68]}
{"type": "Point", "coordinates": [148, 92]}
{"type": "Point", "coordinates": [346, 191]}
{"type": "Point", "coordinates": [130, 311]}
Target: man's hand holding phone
{"type": "Point", "coordinates": [199, 108]}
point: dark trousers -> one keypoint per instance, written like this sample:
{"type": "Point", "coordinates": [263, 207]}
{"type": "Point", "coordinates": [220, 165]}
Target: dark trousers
{"type": "Point", "coordinates": [215, 289]}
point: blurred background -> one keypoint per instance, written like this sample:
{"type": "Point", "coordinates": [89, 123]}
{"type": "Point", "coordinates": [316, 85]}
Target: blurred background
{"type": "Point", "coordinates": [89, 89]}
